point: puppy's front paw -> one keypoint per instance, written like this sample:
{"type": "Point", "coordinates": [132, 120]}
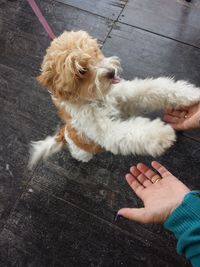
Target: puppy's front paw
{"type": "Point", "coordinates": [162, 137]}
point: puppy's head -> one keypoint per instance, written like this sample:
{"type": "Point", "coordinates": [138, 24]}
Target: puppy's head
{"type": "Point", "coordinates": [75, 69]}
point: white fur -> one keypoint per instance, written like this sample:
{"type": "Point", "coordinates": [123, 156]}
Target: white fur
{"type": "Point", "coordinates": [77, 152]}
{"type": "Point", "coordinates": [114, 120]}
{"type": "Point", "coordinates": [41, 150]}
{"type": "Point", "coordinates": [102, 121]}
{"type": "Point", "coordinates": [155, 94]}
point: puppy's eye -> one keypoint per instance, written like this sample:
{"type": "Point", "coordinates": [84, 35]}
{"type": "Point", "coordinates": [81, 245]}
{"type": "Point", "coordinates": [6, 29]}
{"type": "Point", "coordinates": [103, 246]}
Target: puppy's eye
{"type": "Point", "coordinates": [83, 71]}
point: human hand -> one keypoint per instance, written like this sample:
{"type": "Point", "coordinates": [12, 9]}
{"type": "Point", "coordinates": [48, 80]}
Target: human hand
{"type": "Point", "coordinates": [187, 118]}
{"type": "Point", "coordinates": [161, 194]}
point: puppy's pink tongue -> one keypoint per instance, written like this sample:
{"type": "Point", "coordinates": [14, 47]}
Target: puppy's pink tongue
{"type": "Point", "coordinates": [116, 79]}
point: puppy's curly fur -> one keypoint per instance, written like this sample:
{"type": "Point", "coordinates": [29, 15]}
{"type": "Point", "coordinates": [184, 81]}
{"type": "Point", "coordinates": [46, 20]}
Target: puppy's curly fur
{"type": "Point", "coordinates": [98, 108]}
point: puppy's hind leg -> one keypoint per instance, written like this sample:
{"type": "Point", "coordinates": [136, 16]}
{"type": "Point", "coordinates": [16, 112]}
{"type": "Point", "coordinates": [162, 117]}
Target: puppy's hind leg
{"type": "Point", "coordinates": [79, 154]}
{"type": "Point", "coordinates": [76, 152]}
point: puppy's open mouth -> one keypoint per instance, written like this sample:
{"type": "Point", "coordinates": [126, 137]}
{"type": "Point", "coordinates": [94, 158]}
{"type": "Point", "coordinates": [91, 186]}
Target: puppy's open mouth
{"type": "Point", "coordinates": [115, 79]}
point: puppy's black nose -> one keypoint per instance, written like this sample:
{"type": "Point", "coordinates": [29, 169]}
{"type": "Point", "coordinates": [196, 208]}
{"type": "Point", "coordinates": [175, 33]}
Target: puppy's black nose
{"type": "Point", "coordinates": [110, 74]}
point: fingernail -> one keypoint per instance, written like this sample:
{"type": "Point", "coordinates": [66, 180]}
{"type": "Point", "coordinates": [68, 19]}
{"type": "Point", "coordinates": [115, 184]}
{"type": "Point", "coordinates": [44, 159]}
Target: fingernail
{"type": "Point", "coordinates": [117, 217]}
{"type": "Point", "coordinates": [132, 168]}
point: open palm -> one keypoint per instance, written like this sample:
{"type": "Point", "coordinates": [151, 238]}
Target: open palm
{"type": "Point", "coordinates": [161, 194]}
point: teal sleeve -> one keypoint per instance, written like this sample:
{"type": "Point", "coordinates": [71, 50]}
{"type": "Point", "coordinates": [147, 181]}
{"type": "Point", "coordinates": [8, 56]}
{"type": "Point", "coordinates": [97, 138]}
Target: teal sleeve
{"type": "Point", "coordinates": [184, 222]}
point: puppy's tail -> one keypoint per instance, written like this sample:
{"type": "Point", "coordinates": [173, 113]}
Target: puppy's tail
{"type": "Point", "coordinates": [43, 149]}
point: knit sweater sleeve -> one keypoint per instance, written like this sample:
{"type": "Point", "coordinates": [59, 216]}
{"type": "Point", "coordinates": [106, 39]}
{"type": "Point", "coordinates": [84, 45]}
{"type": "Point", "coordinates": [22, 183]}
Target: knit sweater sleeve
{"type": "Point", "coordinates": [184, 222]}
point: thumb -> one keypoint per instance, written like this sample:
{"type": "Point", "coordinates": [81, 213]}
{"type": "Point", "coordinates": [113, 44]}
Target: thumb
{"type": "Point", "coordinates": [139, 215]}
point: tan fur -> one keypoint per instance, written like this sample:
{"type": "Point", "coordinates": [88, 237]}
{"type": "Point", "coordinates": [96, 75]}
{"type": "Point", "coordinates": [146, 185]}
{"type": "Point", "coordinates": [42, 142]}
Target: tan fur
{"type": "Point", "coordinates": [60, 137]}
{"type": "Point", "coordinates": [83, 142]}
{"type": "Point", "coordinates": [65, 58]}
{"type": "Point", "coordinates": [80, 141]}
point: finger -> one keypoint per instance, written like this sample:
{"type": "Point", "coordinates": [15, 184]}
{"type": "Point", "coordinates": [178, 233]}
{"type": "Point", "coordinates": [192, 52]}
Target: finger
{"type": "Point", "coordinates": [140, 177]}
{"type": "Point", "coordinates": [144, 180]}
{"type": "Point", "coordinates": [146, 174]}
{"type": "Point", "coordinates": [149, 173]}
{"type": "Point", "coordinates": [177, 113]}
{"type": "Point", "coordinates": [152, 176]}
{"type": "Point", "coordinates": [135, 185]}
{"type": "Point", "coordinates": [185, 108]}
{"type": "Point", "coordinates": [134, 171]}
{"type": "Point", "coordinates": [176, 123]}
{"type": "Point", "coordinates": [161, 169]}
{"type": "Point", "coordinates": [173, 112]}
{"type": "Point", "coordinates": [171, 119]}
{"type": "Point", "coordinates": [139, 215]}
{"type": "Point", "coordinates": [183, 114]}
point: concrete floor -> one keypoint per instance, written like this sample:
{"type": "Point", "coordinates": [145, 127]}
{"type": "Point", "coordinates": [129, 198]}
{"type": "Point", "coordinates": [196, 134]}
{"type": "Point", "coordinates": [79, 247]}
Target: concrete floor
{"type": "Point", "coordinates": [61, 214]}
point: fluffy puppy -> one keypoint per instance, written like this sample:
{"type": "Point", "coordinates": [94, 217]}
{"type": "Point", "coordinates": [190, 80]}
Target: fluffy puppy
{"type": "Point", "coordinates": [100, 111]}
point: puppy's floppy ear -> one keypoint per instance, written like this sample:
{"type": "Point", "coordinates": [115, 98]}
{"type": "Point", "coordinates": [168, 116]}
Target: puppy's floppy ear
{"type": "Point", "coordinates": [61, 68]}
{"type": "Point", "coordinates": [76, 62]}
{"type": "Point", "coordinates": [45, 80]}
{"type": "Point", "coordinates": [61, 71]}
{"type": "Point", "coordinates": [52, 71]}
{"type": "Point", "coordinates": [47, 76]}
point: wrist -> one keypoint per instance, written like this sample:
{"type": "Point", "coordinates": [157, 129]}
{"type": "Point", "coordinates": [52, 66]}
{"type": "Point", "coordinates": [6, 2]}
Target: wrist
{"type": "Point", "coordinates": [180, 199]}
{"type": "Point", "coordinates": [184, 221]}
{"type": "Point", "coordinates": [182, 204]}
{"type": "Point", "coordinates": [188, 209]}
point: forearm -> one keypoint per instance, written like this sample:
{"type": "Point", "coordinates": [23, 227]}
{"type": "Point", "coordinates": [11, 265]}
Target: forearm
{"type": "Point", "coordinates": [184, 222]}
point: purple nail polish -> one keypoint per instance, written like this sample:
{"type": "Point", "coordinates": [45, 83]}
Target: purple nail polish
{"type": "Point", "coordinates": [117, 217]}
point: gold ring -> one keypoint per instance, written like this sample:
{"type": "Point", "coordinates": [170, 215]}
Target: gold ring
{"type": "Point", "coordinates": [157, 180]}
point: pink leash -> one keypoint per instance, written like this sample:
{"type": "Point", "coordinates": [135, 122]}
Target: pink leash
{"type": "Point", "coordinates": [41, 18]}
